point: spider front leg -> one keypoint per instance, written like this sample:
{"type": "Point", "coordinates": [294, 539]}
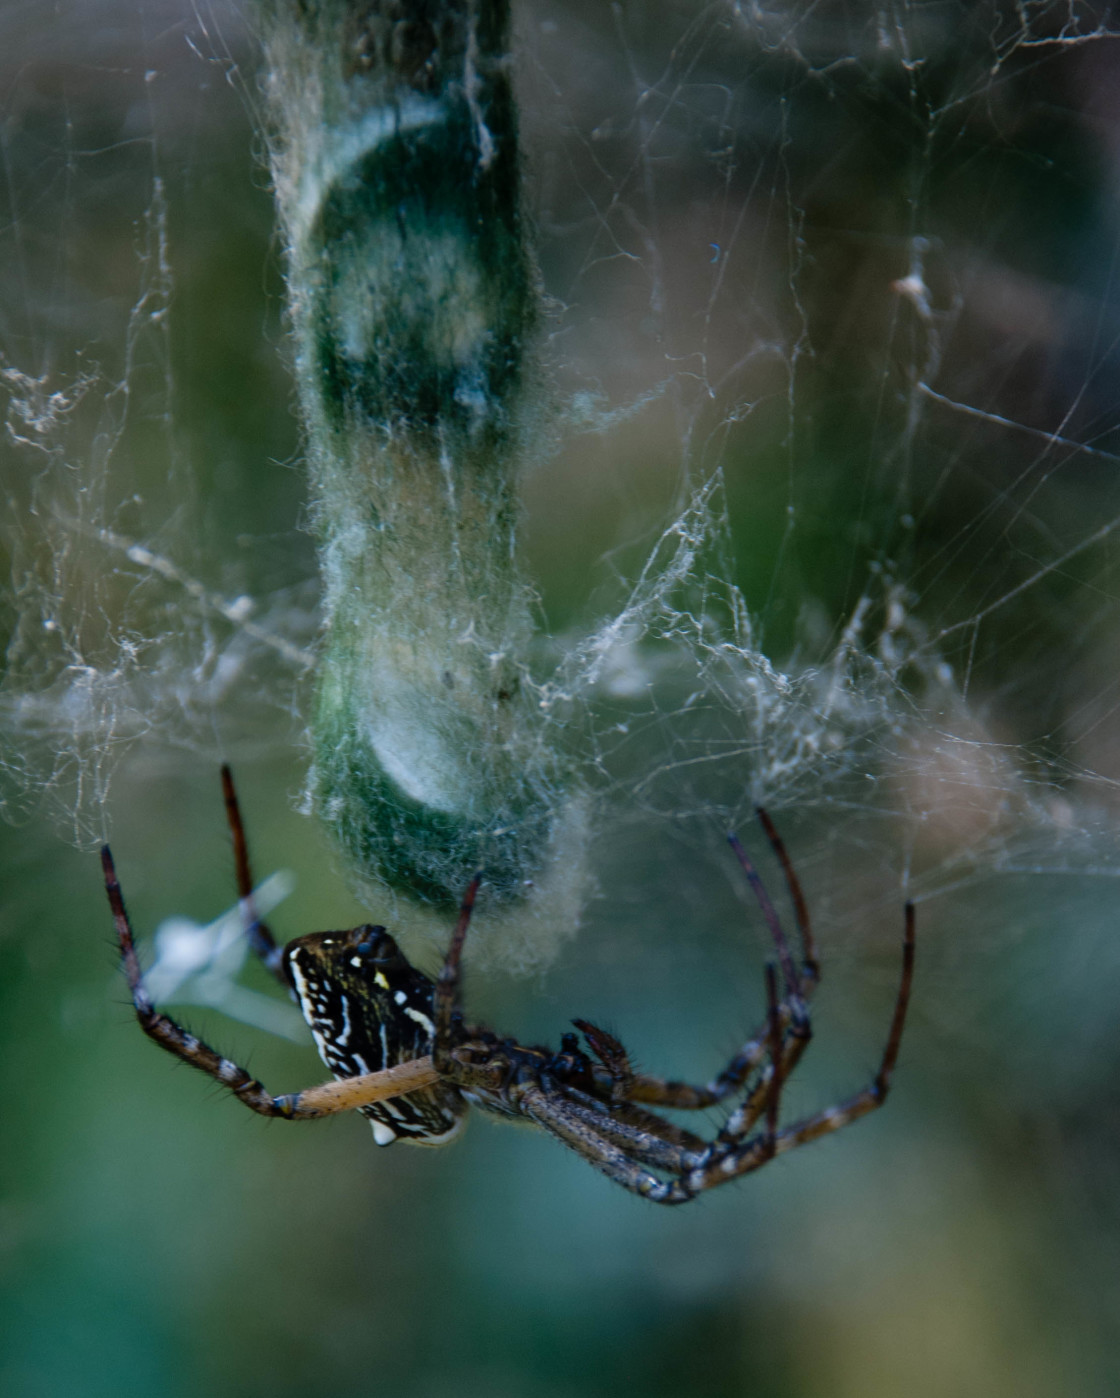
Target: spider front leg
{"type": "Point", "coordinates": [259, 933]}
{"type": "Point", "coordinates": [322, 1100]}
{"type": "Point", "coordinates": [448, 991]}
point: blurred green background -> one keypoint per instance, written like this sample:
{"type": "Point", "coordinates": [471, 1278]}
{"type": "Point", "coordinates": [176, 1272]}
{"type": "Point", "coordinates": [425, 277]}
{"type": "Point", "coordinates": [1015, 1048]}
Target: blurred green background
{"type": "Point", "coordinates": [728, 205]}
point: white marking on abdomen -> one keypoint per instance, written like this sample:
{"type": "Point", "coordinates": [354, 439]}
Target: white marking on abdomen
{"type": "Point", "coordinates": [421, 1019]}
{"type": "Point", "coordinates": [344, 1037]}
{"type": "Point", "coordinates": [383, 1133]}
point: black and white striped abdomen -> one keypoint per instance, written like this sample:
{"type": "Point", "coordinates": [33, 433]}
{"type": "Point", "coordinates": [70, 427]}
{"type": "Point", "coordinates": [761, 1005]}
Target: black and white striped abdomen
{"type": "Point", "coordinates": [373, 1022]}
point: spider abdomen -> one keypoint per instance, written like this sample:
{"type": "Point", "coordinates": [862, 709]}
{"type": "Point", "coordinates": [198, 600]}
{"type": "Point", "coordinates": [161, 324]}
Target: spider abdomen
{"type": "Point", "coordinates": [368, 1009]}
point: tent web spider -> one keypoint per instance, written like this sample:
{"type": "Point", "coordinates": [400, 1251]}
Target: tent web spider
{"type": "Point", "coordinates": [404, 1057]}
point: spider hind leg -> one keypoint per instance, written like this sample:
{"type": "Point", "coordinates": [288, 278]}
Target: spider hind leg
{"type": "Point", "coordinates": [731, 1159]}
{"type": "Point", "coordinates": [793, 1008]}
{"type": "Point", "coordinates": [628, 1151]}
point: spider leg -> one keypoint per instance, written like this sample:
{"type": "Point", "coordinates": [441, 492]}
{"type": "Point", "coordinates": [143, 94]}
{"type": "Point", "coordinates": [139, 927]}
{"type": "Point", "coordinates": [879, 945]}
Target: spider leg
{"type": "Point", "coordinates": [446, 998]}
{"type": "Point", "coordinates": [621, 1139]}
{"type": "Point", "coordinates": [769, 912]}
{"type": "Point", "coordinates": [765, 1096]}
{"type": "Point", "coordinates": [747, 1113]}
{"type": "Point", "coordinates": [259, 934]}
{"type": "Point", "coordinates": [729, 1161]}
{"type": "Point", "coordinates": [646, 1140]}
{"type": "Point", "coordinates": [774, 1087]}
{"type": "Point", "coordinates": [793, 1009]}
{"type": "Point", "coordinates": [649, 1137]}
{"type": "Point", "coordinates": [782, 1044]}
{"type": "Point", "coordinates": [612, 1055]}
{"type": "Point", "coordinates": [318, 1101]}
{"type": "Point", "coordinates": [347, 1094]}
{"type": "Point", "coordinates": [796, 1033]}
{"type": "Point", "coordinates": [615, 1073]}
{"type": "Point", "coordinates": [583, 1132]}
{"type": "Point", "coordinates": [669, 1092]}
{"type": "Point", "coordinates": [810, 966]}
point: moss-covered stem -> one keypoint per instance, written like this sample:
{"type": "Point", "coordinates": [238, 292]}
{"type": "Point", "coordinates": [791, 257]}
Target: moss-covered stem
{"type": "Point", "coordinates": [413, 304]}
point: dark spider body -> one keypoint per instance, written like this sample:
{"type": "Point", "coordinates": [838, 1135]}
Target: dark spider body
{"type": "Point", "coordinates": [369, 1008]}
{"type": "Point", "coordinates": [403, 1056]}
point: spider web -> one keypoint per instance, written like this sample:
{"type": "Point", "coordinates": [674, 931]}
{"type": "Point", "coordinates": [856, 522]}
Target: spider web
{"type": "Point", "coordinates": [824, 513]}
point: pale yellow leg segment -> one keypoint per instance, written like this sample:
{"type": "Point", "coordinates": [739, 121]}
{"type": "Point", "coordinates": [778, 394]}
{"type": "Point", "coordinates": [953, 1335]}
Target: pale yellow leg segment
{"type": "Point", "coordinates": [346, 1094]}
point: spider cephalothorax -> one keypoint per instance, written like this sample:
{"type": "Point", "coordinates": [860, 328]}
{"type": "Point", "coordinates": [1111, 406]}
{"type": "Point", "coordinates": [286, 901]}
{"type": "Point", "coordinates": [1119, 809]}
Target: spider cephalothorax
{"type": "Point", "coordinates": [404, 1057]}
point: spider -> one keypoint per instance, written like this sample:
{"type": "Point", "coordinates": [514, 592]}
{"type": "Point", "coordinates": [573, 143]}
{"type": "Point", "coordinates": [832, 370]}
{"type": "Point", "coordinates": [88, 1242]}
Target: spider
{"type": "Point", "coordinates": [403, 1056]}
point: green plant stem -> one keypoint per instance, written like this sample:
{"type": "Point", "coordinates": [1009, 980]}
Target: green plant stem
{"type": "Point", "coordinates": [413, 303]}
